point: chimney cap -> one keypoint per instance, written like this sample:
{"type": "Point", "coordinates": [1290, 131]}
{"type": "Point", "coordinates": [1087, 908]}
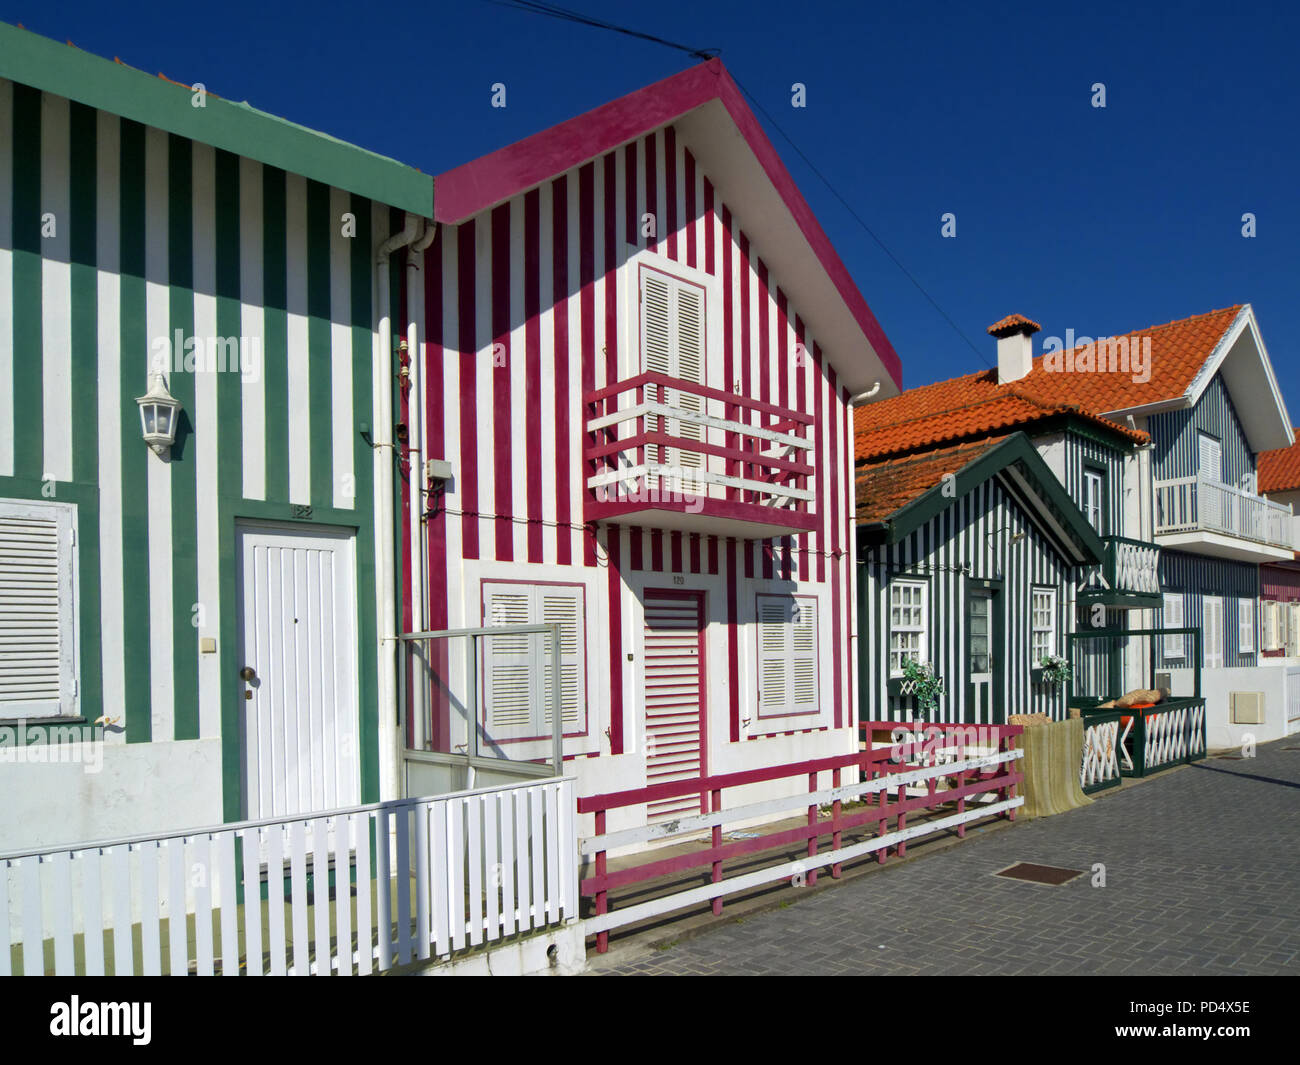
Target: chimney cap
{"type": "Point", "coordinates": [1012, 324]}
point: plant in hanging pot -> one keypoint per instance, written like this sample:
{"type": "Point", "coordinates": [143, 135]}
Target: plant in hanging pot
{"type": "Point", "coordinates": [1055, 670]}
{"type": "Point", "coordinates": [925, 686]}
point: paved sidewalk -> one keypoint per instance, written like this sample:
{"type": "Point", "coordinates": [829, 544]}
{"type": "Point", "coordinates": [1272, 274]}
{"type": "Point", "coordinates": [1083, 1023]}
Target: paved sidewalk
{"type": "Point", "coordinates": [1202, 871]}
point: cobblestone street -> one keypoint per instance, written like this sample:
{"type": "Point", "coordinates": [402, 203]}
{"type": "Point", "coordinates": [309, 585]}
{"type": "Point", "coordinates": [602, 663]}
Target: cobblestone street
{"type": "Point", "coordinates": [1202, 876]}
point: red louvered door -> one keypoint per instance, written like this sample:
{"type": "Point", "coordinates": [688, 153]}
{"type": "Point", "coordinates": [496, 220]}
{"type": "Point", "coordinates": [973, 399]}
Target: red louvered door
{"type": "Point", "coordinates": [674, 696]}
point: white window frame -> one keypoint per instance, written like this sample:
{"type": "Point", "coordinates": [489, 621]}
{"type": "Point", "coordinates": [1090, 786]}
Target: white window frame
{"type": "Point", "coordinates": [797, 660]}
{"type": "Point", "coordinates": [539, 725]}
{"type": "Point", "coordinates": [1037, 629]}
{"type": "Point", "coordinates": [67, 589]}
{"type": "Point", "coordinates": [1094, 497]}
{"type": "Point", "coordinates": [1245, 626]}
{"type": "Point", "coordinates": [1175, 643]}
{"type": "Point", "coordinates": [915, 633]}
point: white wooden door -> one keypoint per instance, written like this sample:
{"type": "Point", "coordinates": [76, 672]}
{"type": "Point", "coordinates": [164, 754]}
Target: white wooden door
{"type": "Point", "coordinates": [1212, 631]}
{"type": "Point", "coordinates": [979, 630]}
{"type": "Point", "coordinates": [1210, 468]}
{"type": "Point", "coordinates": [674, 696]}
{"type": "Point", "coordinates": [297, 637]}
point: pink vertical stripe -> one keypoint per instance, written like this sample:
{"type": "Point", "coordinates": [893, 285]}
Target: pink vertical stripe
{"type": "Point", "coordinates": [615, 587]}
{"type": "Point", "coordinates": [611, 269]}
{"type": "Point", "coordinates": [436, 526]}
{"type": "Point", "coordinates": [733, 645]}
{"type": "Point", "coordinates": [819, 465]}
{"type": "Point", "coordinates": [631, 227]}
{"type": "Point", "coordinates": [675, 543]}
{"type": "Point", "coordinates": [695, 552]}
{"type": "Point", "coordinates": [689, 166]}
{"type": "Point", "coordinates": [651, 196]}
{"type": "Point", "coordinates": [502, 472]}
{"type": "Point", "coordinates": [670, 189]}
{"type": "Point", "coordinates": [587, 306]}
{"type": "Point", "coordinates": [713, 555]}
{"type": "Point", "coordinates": [533, 370]}
{"type": "Point", "coordinates": [656, 550]}
{"type": "Point", "coordinates": [634, 548]}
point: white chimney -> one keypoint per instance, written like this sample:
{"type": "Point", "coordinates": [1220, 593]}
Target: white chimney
{"type": "Point", "coordinates": [1015, 349]}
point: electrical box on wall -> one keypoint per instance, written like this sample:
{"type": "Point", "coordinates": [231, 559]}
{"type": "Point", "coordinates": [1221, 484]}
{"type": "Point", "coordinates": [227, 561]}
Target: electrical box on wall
{"type": "Point", "coordinates": [1247, 707]}
{"type": "Point", "coordinates": [437, 470]}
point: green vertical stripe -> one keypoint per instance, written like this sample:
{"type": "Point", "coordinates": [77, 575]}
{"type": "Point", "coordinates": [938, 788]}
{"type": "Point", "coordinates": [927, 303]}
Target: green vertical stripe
{"type": "Point", "coordinates": [275, 361]}
{"type": "Point", "coordinates": [184, 549]}
{"type": "Point", "coordinates": [229, 479]}
{"type": "Point", "coordinates": [320, 232]}
{"type": "Point", "coordinates": [85, 395]}
{"type": "Point", "coordinates": [135, 480]}
{"type": "Point", "coordinates": [27, 366]}
{"type": "Point", "coordinates": [363, 462]}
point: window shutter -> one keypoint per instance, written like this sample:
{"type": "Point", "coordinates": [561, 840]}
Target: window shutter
{"type": "Point", "coordinates": [37, 662]}
{"type": "Point", "coordinates": [1292, 629]}
{"type": "Point", "coordinates": [803, 637]}
{"type": "Point", "coordinates": [507, 669]}
{"type": "Point", "coordinates": [672, 342]}
{"type": "Point", "coordinates": [562, 606]}
{"type": "Point", "coordinates": [1173, 619]}
{"type": "Point", "coordinates": [773, 656]}
{"type": "Point", "coordinates": [1245, 626]}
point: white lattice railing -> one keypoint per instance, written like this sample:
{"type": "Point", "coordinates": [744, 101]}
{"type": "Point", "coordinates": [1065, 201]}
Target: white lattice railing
{"type": "Point", "coordinates": [1190, 504]}
{"type": "Point", "coordinates": [358, 890]}
{"type": "Point", "coordinates": [1102, 748]}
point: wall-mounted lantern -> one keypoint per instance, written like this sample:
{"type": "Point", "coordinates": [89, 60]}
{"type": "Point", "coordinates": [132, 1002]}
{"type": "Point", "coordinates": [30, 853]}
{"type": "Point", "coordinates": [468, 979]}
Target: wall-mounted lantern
{"type": "Point", "coordinates": [159, 413]}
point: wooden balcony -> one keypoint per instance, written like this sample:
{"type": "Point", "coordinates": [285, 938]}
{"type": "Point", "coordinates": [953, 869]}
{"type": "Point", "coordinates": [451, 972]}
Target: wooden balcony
{"type": "Point", "coordinates": [674, 454]}
{"type": "Point", "coordinates": [1207, 517]}
{"type": "Point", "coordinates": [1128, 576]}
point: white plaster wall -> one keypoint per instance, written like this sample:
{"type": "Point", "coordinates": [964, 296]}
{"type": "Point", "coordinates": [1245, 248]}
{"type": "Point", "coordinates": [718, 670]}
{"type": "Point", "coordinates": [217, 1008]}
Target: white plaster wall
{"type": "Point", "coordinates": [1216, 684]}
{"type": "Point", "coordinates": [110, 791]}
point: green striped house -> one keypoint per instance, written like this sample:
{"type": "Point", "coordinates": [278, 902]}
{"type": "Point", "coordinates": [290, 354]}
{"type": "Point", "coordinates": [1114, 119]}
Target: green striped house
{"type": "Point", "coordinates": [146, 223]}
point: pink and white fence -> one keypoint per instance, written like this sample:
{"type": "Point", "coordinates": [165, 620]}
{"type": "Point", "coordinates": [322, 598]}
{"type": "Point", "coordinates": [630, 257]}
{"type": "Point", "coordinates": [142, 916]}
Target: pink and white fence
{"type": "Point", "coordinates": [359, 890]}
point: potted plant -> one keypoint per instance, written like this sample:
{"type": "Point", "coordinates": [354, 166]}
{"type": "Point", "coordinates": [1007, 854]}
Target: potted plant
{"type": "Point", "coordinates": [925, 685]}
{"type": "Point", "coordinates": [1055, 669]}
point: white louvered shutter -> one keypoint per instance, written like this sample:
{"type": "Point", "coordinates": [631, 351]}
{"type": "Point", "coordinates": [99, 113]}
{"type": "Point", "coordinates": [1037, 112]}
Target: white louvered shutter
{"type": "Point", "coordinates": [787, 656]}
{"type": "Point", "coordinates": [563, 606]}
{"type": "Point", "coordinates": [773, 656]}
{"type": "Point", "coordinates": [1293, 630]}
{"type": "Point", "coordinates": [1267, 625]}
{"type": "Point", "coordinates": [1173, 619]}
{"type": "Point", "coordinates": [37, 611]}
{"type": "Point", "coordinates": [672, 343]}
{"type": "Point", "coordinates": [803, 657]}
{"type": "Point", "coordinates": [508, 666]}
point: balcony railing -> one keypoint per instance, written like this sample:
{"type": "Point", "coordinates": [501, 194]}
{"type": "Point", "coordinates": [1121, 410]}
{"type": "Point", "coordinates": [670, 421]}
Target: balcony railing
{"type": "Point", "coordinates": [1197, 504]}
{"type": "Point", "coordinates": [1129, 571]}
{"type": "Point", "coordinates": [661, 444]}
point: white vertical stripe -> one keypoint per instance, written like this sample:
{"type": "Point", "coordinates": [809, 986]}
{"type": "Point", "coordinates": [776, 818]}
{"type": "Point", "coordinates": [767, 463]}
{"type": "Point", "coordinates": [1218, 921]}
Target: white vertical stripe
{"type": "Point", "coordinates": [572, 400]}
{"type": "Point", "coordinates": [345, 481]}
{"type": "Point", "coordinates": [157, 317]}
{"type": "Point", "coordinates": [299, 383]}
{"type": "Point", "coordinates": [207, 431]}
{"type": "Point", "coordinates": [252, 328]}
{"type": "Point", "coordinates": [56, 291]}
{"type": "Point", "coordinates": [484, 385]}
{"type": "Point", "coordinates": [545, 277]}
{"type": "Point", "coordinates": [6, 278]}
{"type": "Point", "coordinates": [518, 374]}
{"type": "Point", "coordinates": [111, 413]}
{"type": "Point", "coordinates": [448, 243]}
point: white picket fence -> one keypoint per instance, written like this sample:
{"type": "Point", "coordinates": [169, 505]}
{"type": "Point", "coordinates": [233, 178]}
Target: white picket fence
{"type": "Point", "coordinates": [359, 890]}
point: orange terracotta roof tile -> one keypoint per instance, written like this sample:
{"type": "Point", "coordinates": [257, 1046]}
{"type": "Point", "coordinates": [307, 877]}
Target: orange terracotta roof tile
{"type": "Point", "coordinates": [1279, 470]}
{"type": "Point", "coordinates": [884, 487]}
{"type": "Point", "coordinates": [1058, 383]}
{"type": "Point", "coordinates": [1013, 323]}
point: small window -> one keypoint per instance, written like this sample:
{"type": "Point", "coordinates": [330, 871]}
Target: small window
{"type": "Point", "coordinates": [787, 655]}
{"type": "Point", "coordinates": [908, 636]}
{"type": "Point", "coordinates": [1043, 624]}
{"type": "Point", "coordinates": [1245, 626]}
{"type": "Point", "coordinates": [1094, 494]}
{"type": "Point", "coordinates": [1173, 619]}
{"type": "Point", "coordinates": [517, 667]}
{"type": "Point", "coordinates": [38, 609]}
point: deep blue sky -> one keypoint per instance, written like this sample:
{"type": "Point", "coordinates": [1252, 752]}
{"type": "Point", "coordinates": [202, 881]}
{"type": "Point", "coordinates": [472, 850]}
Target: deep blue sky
{"type": "Point", "coordinates": [1098, 220]}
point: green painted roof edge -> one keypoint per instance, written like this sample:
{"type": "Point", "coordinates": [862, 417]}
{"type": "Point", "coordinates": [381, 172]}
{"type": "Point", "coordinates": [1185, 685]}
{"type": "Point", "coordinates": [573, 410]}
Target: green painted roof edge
{"type": "Point", "coordinates": [65, 70]}
{"type": "Point", "coordinates": [1016, 448]}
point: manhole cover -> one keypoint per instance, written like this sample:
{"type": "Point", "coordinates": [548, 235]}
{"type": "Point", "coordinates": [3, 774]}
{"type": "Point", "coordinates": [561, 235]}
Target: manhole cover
{"type": "Point", "coordinates": [1053, 875]}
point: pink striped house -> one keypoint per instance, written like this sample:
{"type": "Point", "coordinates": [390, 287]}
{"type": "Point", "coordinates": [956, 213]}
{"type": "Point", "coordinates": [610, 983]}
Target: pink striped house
{"type": "Point", "coordinates": [633, 360]}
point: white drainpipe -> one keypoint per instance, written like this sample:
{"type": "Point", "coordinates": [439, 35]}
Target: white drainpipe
{"type": "Point", "coordinates": [390, 763]}
{"type": "Point", "coordinates": [416, 441]}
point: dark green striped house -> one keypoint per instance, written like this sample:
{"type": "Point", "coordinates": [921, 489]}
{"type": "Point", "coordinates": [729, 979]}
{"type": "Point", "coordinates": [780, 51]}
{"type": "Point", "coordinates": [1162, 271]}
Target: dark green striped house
{"type": "Point", "coordinates": [143, 220]}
